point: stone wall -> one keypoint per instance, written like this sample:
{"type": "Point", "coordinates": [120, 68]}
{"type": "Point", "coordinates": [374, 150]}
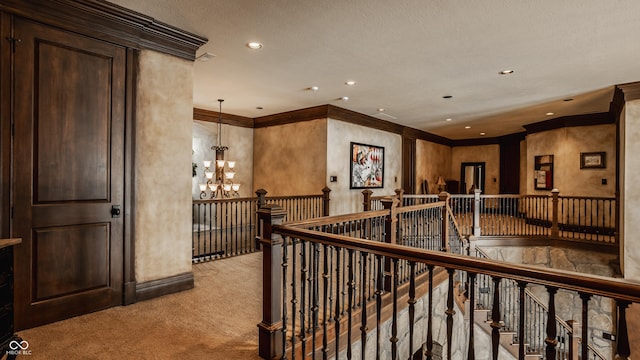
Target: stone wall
{"type": "Point", "coordinates": [569, 304]}
{"type": "Point", "coordinates": [439, 331]}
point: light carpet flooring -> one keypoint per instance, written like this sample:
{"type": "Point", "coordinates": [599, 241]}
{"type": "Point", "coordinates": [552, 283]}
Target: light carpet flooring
{"type": "Point", "coordinates": [215, 320]}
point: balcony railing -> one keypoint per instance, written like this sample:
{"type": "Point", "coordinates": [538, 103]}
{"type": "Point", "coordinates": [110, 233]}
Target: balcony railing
{"type": "Point", "coordinates": [576, 218]}
{"type": "Point", "coordinates": [228, 227]}
{"type": "Point", "coordinates": [326, 283]}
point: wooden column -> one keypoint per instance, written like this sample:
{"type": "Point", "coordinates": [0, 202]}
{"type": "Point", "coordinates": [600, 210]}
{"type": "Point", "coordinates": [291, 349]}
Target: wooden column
{"type": "Point", "coordinates": [555, 232]}
{"type": "Point", "coordinates": [325, 201]}
{"type": "Point", "coordinates": [270, 329]}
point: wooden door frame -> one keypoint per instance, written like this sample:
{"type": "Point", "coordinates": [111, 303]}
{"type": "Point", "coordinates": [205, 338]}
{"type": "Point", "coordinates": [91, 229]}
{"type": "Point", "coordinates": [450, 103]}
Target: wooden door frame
{"type": "Point", "coordinates": [482, 176]}
{"type": "Point", "coordinates": [118, 25]}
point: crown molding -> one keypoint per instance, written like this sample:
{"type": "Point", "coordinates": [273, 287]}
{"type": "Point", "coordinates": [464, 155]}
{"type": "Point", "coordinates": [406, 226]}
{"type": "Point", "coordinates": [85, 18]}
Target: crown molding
{"type": "Point", "coordinates": [227, 119]}
{"type": "Point", "coordinates": [631, 91]}
{"type": "Point", "coordinates": [109, 22]}
{"type": "Point", "coordinates": [290, 117]}
{"type": "Point", "coordinates": [571, 121]}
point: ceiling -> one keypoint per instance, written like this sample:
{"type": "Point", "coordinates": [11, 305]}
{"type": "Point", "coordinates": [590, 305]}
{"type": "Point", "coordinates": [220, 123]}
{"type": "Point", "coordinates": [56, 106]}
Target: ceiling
{"type": "Point", "coordinates": [405, 56]}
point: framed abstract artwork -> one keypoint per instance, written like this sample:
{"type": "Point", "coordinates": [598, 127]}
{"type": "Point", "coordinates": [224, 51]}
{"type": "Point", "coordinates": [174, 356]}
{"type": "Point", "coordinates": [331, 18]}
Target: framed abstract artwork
{"type": "Point", "coordinates": [367, 166]}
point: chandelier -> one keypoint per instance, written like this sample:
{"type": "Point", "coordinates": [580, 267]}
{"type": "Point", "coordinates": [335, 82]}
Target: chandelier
{"type": "Point", "coordinates": [219, 180]}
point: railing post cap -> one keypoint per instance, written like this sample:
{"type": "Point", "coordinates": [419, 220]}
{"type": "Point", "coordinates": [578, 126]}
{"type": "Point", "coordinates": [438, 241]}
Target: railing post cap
{"type": "Point", "coordinates": [473, 238]}
{"type": "Point", "coordinates": [273, 209]}
{"type": "Point", "coordinates": [367, 191]}
{"type": "Point", "coordinates": [555, 191]}
{"type": "Point", "coordinates": [326, 189]}
{"type": "Point", "coordinates": [478, 191]}
{"type": "Point", "coordinates": [261, 191]}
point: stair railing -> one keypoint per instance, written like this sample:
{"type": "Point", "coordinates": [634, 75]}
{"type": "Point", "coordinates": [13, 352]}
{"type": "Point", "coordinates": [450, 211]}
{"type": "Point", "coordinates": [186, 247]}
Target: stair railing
{"type": "Point", "coordinates": [532, 334]}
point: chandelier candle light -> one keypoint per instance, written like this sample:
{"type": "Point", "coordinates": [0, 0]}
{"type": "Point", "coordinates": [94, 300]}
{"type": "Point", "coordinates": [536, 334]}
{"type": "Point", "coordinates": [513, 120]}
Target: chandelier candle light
{"type": "Point", "coordinates": [222, 185]}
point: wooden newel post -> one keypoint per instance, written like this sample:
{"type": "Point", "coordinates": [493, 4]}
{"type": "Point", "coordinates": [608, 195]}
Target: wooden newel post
{"type": "Point", "coordinates": [262, 194]}
{"type": "Point", "coordinates": [270, 329]}
{"type": "Point", "coordinates": [325, 201]}
{"type": "Point", "coordinates": [390, 235]}
{"type": "Point", "coordinates": [476, 212]}
{"type": "Point", "coordinates": [555, 232]}
{"type": "Point", "coordinates": [444, 246]}
{"type": "Point", "coordinates": [400, 195]}
{"type": "Point", "coordinates": [366, 203]}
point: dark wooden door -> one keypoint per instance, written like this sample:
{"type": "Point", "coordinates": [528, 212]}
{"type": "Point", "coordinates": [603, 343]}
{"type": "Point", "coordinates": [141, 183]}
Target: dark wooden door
{"type": "Point", "coordinates": [68, 173]}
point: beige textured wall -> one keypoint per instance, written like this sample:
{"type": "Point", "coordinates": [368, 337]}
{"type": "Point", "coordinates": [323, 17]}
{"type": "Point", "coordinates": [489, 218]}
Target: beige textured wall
{"type": "Point", "coordinates": [340, 135]}
{"type": "Point", "coordinates": [565, 145]}
{"type": "Point", "coordinates": [291, 159]}
{"type": "Point", "coordinates": [432, 160]}
{"type": "Point", "coordinates": [631, 191]}
{"type": "Point", "coordinates": [489, 154]}
{"type": "Point", "coordinates": [240, 143]}
{"type": "Point", "coordinates": [163, 174]}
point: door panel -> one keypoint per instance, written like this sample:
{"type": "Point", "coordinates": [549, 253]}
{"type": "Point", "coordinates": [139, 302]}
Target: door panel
{"type": "Point", "coordinates": [60, 273]}
{"type": "Point", "coordinates": [78, 118]}
{"type": "Point", "coordinates": [68, 153]}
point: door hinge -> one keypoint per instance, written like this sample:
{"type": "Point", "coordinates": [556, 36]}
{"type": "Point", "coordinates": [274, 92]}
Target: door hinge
{"type": "Point", "coordinates": [14, 42]}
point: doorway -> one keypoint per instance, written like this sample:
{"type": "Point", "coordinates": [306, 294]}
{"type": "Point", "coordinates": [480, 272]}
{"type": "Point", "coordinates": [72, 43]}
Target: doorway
{"type": "Point", "coordinates": [68, 182]}
{"type": "Point", "coordinates": [472, 177]}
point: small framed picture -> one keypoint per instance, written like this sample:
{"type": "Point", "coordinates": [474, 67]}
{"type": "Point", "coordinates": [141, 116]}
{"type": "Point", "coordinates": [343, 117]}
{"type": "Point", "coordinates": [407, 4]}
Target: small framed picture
{"type": "Point", "coordinates": [593, 160]}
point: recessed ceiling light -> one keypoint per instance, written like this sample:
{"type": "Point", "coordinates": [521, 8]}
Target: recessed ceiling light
{"type": "Point", "coordinates": [344, 98]}
{"type": "Point", "coordinates": [350, 83]}
{"type": "Point", "coordinates": [467, 127]}
{"type": "Point", "coordinates": [483, 134]}
{"type": "Point", "coordinates": [314, 88]}
{"type": "Point", "coordinates": [254, 45]}
{"type": "Point", "coordinates": [447, 119]}
{"type": "Point", "coordinates": [206, 56]}
{"type": "Point", "coordinates": [506, 72]}
{"type": "Point", "coordinates": [549, 114]}
{"type": "Point", "coordinates": [447, 96]}
{"type": "Point", "coordinates": [381, 110]}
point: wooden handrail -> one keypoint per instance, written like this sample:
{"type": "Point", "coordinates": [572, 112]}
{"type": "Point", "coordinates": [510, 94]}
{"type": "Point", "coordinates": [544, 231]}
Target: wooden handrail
{"type": "Point", "coordinates": [597, 285]}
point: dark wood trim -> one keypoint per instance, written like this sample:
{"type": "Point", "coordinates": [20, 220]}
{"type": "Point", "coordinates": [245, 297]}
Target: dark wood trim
{"type": "Point", "coordinates": [423, 135]}
{"type": "Point", "coordinates": [357, 118]}
{"type": "Point", "coordinates": [409, 165]}
{"type": "Point", "coordinates": [6, 101]}
{"type": "Point", "coordinates": [109, 22]}
{"type": "Point", "coordinates": [475, 142]}
{"type": "Point", "coordinates": [571, 121]}
{"type": "Point", "coordinates": [631, 90]}
{"type": "Point", "coordinates": [289, 117]}
{"type": "Point", "coordinates": [128, 256]}
{"type": "Point", "coordinates": [227, 119]}
{"type": "Point", "coordinates": [617, 104]}
{"type": "Point", "coordinates": [169, 285]}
